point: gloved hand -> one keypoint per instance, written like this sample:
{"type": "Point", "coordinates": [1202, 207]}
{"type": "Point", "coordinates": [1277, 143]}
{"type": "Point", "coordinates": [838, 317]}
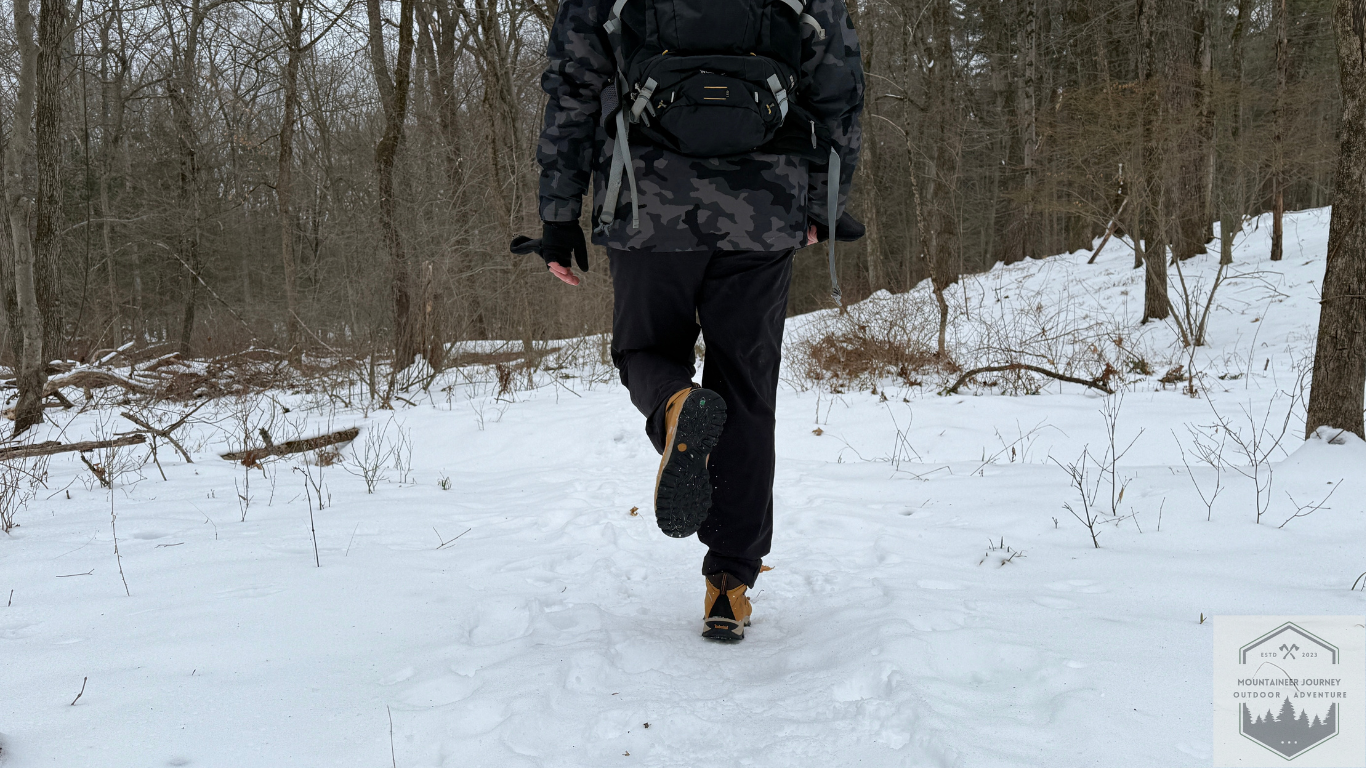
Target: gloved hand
{"type": "Point", "coordinates": [558, 242]}
{"type": "Point", "coordinates": [847, 229]}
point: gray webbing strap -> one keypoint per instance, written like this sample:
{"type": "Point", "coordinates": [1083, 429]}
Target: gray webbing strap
{"type": "Point", "coordinates": [810, 21]}
{"type": "Point", "coordinates": [629, 165]}
{"type": "Point", "coordinates": [779, 93]}
{"type": "Point", "coordinates": [643, 99]}
{"type": "Point", "coordinates": [621, 163]}
{"type": "Point", "coordinates": [832, 202]}
{"type": "Point", "coordinates": [613, 22]}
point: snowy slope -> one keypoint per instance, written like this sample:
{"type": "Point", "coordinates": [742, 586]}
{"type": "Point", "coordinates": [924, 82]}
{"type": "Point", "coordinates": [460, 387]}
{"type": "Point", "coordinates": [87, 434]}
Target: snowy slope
{"type": "Point", "coordinates": [558, 624]}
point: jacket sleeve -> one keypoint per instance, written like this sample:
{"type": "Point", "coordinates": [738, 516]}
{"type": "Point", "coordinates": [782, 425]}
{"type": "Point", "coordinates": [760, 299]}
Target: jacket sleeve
{"type": "Point", "coordinates": [831, 88]}
{"type": "Point", "coordinates": [580, 66]}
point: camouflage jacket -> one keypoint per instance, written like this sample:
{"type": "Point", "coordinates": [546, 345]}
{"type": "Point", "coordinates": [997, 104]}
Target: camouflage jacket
{"type": "Point", "coordinates": [753, 202]}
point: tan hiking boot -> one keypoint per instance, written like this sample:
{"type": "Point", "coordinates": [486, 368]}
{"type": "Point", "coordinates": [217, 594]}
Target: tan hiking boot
{"type": "Point", "coordinates": [727, 609]}
{"type": "Point", "coordinates": [693, 419]}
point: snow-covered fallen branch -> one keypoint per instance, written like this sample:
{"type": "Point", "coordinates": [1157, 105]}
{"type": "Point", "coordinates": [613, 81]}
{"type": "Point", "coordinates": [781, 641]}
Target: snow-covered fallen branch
{"type": "Point", "coordinates": [252, 456]}
{"type": "Point", "coordinates": [52, 446]}
{"type": "Point", "coordinates": [1096, 383]}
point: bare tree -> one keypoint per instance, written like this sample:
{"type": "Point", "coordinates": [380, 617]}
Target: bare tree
{"type": "Point", "coordinates": [182, 87]}
{"type": "Point", "coordinates": [1339, 385]}
{"type": "Point", "coordinates": [1278, 130]}
{"type": "Point", "coordinates": [21, 294]}
{"type": "Point", "coordinates": [393, 91]}
{"type": "Point", "coordinates": [47, 134]}
{"type": "Point", "coordinates": [291, 15]}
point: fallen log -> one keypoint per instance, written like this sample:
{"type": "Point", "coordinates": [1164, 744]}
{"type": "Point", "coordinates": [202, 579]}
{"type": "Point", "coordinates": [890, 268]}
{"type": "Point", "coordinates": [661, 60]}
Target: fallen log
{"type": "Point", "coordinates": [252, 456]}
{"type": "Point", "coordinates": [1093, 383]}
{"type": "Point", "coordinates": [52, 446]}
{"type": "Point", "coordinates": [94, 378]}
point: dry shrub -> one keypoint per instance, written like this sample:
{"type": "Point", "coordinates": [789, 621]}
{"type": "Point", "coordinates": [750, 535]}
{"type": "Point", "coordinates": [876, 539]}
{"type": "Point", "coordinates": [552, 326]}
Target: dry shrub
{"type": "Point", "coordinates": [20, 480]}
{"type": "Point", "coordinates": [882, 337]}
{"type": "Point", "coordinates": [505, 379]}
{"type": "Point", "coordinates": [858, 358]}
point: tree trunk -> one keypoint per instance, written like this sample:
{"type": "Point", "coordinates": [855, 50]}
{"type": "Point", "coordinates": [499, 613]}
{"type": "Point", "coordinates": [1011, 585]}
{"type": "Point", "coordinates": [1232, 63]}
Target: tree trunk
{"type": "Point", "coordinates": [1278, 132]}
{"type": "Point", "coordinates": [1183, 212]}
{"type": "Point", "coordinates": [112, 72]}
{"type": "Point", "coordinates": [1339, 385]}
{"type": "Point", "coordinates": [25, 319]}
{"type": "Point", "coordinates": [394, 98]}
{"type": "Point", "coordinates": [47, 135]}
{"type": "Point", "coordinates": [1231, 187]}
{"type": "Point", "coordinates": [1029, 130]}
{"type": "Point", "coordinates": [942, 248]}
{"type": "Point", "coordinates": [182, 92]}
{"type": "Point", "coordinates": [291, 13]}
{"type": "Point", "coordinates": [1152, 181]}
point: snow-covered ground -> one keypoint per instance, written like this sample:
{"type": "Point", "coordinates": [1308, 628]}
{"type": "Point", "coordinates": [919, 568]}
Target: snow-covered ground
{"type": "Point", "coordinates": [496, 602]}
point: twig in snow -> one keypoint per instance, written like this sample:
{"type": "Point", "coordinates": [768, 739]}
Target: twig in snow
{"type": "Point", "coordinates": [1304, 510]}
{"type": "Point", "coordinates": [444, 543]}
{"type": "Point", "coordinates": [393, 756]}
{"type": "Point", "coordinates": [113, 518]}
{"type": "Point", "coordinates": [353, 538]}
{"type": "Point", "coordinates": [69, 575]}
{"type": "Point", "coordinates": [311, 527]}
{"type": "Point", "coordinates": [11, 599]}
{"type": "Point", "coordinates": [82, 693]}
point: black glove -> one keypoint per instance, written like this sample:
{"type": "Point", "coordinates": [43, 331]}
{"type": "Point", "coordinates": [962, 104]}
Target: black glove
{"type": "Point", "coordinates": [847, 229]}
{"type": "Point", "coordinates": [559, 240]}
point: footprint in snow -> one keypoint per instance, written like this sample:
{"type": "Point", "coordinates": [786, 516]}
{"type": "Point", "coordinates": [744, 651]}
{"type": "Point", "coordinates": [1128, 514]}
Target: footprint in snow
{"type": "Point", "coordinates": [398, 677]}
{"type": "Point", "coordinates": [1078, 585]}
{"type": "Point", "coordinates": [17, 631]}
{"type": "Point", "coordinates": [256, 590]}
{"type": "Point", "coordinates": [934, 584]}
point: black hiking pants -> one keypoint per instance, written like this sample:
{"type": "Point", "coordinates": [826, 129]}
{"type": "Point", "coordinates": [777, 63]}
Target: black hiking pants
{"type": "Point", "coordinates": [740, 300]}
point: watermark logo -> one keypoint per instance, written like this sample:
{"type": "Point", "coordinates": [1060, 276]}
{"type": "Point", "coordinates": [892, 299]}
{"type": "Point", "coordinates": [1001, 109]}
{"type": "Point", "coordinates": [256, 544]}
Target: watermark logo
{"type": "Point", "coordinates": [1290, 690]}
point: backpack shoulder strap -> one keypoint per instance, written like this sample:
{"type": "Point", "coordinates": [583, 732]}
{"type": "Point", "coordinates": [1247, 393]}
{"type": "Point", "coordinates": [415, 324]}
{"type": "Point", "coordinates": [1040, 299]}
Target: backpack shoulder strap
{"type": "Point", "coordinates": [613, 22]}
{"type": "Point", "coordinates": [799, 8]}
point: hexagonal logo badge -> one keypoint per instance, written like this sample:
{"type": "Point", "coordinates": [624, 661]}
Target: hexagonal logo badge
{"type": "Point", "coordinates": [1290, 690]}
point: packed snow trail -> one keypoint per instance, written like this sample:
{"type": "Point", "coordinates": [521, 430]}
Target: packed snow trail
{"type": "Point", "coordinates": [501, 603]}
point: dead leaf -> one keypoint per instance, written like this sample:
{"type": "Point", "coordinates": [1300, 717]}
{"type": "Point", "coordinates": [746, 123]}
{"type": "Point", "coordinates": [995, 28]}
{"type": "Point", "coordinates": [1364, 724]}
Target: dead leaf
{"type": "Point", "coordinates": [817, 431]}
{"type": "Point", "coordinates": [635, 511]}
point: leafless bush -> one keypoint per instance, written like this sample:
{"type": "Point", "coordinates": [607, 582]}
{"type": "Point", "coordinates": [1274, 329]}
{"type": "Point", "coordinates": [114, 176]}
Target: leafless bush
{"type": "Point", "coordinates": [880, 338]}
{"type": "Point", "coordinates": [1087, 476]}
{"type": "Point", "coordinates": [1110, 412]}
{"type": "Point", "coordinates": [375, 453]}
{"type": "Point", "coordinates": [20, 480]}
{"type": "Point", "coordinates": [109, 466]}
{"type": "Point", "coordinates": [1257, 438]}
{"type": "Point", "coordinates": [1208, 446]}
{"type": "Point", "coordinates": [402, 454]}
{"type": "Point", "coordinates": [1087, 486]}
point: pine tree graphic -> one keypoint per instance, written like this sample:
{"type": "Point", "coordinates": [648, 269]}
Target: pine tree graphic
{"type": "Point", "coordinates": [1288, 733]}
